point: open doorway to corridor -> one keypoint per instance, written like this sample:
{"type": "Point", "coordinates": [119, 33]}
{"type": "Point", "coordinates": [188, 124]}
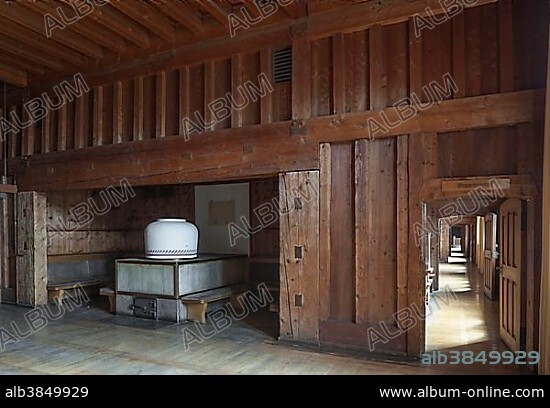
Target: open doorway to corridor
{"type": "Point", "coordinates": [460, 317]}
{"type": "Point", "coordinates": [478, 276]}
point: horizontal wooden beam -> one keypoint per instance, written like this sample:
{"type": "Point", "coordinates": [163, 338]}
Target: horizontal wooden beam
{"type": "Point", "coordinates": [509, 186]}
{"type": "Point", "coordinates": [447, 116]}
{"type": "Point", "coordinates": [8, 188]}
{"type": "Point", "coordinates": [13, 75]}
{"type": "Point", "coordinates": [255, 151]}
{"type": "Point", "coordinates": [366, 14]}
{"type": "Point", "coordinates": [251, 152]}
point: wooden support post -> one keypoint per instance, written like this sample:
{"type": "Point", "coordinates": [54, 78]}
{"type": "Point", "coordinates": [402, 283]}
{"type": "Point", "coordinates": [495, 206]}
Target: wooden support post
{"type": "Point", "coordinates": [184, 95]}
{"type": "Point", "coordinates": [266, 103]}
{"type": "Point", "coordinates": [544, 339]}
{"type": "Point", "coordinates": [459, 54]}
{"type": "Point", "coordinates": [98, 116]}
{"type": "Point", "coordinates": [209, 93]}
{"type": "Point", "coordinates": [13, 146]}
{"type": "Point", "coordinates": [301, 78]}
{"type": "Point", "coordinates": [378, 71]}
{"type": "Point", "coordinates": [402, 221]}
{"type": "Point", "coordinates": [338, 74]}
{"type": "Point", "coordinates": [46, 133]}
{"type": "Point", "coordinates": [62, 128]}
{"type": "Point", "coordinates": [27, 142]}
{"type": "Point", "coordinates": [81, 118]}
{"type": "Point", "coordinates": [118, 115]}
{"type": "Point", "coordinates": [236, 81]}
{"type": "Point", "coordinates": [4, 244]}
{"type": "Point", "coordinates": [325, 183]}
{"type": "Point", "coordinates": [160, 105]}
{"type": "Point", "coordinates": [506, 45]}
{"type": "Point", "coordinates": [31, 263]}
{"type": "Point", "coordinates": [299, 259]}
{"type": "Point", "coordinates": [138, 109]}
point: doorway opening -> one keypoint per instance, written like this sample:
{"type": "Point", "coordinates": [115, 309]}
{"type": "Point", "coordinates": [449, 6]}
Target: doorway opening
{"type": "Point", "coordinates": [477, 297]}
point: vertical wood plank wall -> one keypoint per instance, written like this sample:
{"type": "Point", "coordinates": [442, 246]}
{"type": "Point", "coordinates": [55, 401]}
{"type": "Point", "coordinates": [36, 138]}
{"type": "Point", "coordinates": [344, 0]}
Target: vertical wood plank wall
{"type": "Point", "coordinates": [115, 226]}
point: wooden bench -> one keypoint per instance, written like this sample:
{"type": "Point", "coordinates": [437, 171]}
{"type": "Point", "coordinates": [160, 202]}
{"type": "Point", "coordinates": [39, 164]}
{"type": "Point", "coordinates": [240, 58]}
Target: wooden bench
{"type": "Point", "coordinates": [56, 292]}
{"type": "Point", "coordinates": [111, 295]}
{"type": "Point", "coordinates": [197, 303]}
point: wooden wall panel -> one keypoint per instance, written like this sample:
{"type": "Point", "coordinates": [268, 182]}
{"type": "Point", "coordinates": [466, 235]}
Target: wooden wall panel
{"type": "Point", "coordinates": [490, 50]}
{"type": "Point", "coordinates": [473, 30]}
{"type": "Point", "coordinates": [321, 77]}
{"type": "Point", "coordinates": [437, 49]}
{"type": "Point", "coordinates": [264, 245]}
{"type": "Point", "coordinates": [108, 93]}
{"type": "Point", "coordinates": [299, 278]}
{"type": "Point", "coordinates": [530, 39]}
{"type": "Point", "coordinates": [196, 92]}
{"type": "Point", "coordinates": [364, 239]}
{"type": "Point", "coordinates": [172, 103]}
{"type": "Point", "coordinates": [301, 78]}
{"type": "Point", "coordinates": [397, 43]}
{"type": "Point", "coordinates": [375, 230]}
{"type": "Point", "coordinates": [250, 72]}
{"type": "Point", "coordinates": [222, 86]}
{"type": "Point", "coordinates": [127, 110]}
{"type": "Point", "coordinates": [70, 125]}
{"type": "Point", "coordinates": [478, 153]}
{"type": "Point", "coordinates": [113, 228]}
{"type": "Point", "coordinates": [342, 259]}
{"type": "Point", "coordinates": [149, 107]}
{"type": "Point", "coordinates": [356, 68]}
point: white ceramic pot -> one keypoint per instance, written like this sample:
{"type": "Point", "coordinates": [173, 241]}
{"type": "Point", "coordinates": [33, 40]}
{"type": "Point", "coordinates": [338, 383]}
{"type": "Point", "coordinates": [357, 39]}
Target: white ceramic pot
{"type": "Point", "coordinates": [169, 238]}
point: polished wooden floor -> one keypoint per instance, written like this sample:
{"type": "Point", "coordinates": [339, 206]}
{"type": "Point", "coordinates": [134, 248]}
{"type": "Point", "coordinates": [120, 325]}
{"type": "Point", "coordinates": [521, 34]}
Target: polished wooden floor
{"type": "Point", "coordinates": [91, 341]}
{"type": "Point", "coordinates": [463, 319]}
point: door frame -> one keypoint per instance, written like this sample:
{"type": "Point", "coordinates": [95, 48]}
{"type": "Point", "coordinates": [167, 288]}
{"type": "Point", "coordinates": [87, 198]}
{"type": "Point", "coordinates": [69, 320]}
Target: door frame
{"type": "Point", "coordinates": [513, 186]}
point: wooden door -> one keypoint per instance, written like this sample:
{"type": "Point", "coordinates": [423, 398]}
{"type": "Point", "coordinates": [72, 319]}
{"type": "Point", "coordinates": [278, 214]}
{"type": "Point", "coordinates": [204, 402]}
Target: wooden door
{"type": "Point", "coordinates": [490, 257]}
{"type": "Point", "coordinates": [510, 273]}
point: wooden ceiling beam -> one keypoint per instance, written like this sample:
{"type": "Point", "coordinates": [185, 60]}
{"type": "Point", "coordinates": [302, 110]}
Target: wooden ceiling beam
{"type": "Point", "coordinates": [361, 16]}
{"type": "Point", "coordinates": [20, 13]}
{"type": "Point", "coordinates": [122, 25]}
{"type": "Point", "coordinates": [216, 10]}
{"type": "Point", "coordinates": [296, 9]}
{"type": "Point", "coordinates": [183, 14]}
{"type": "Point", "coordinates": [31, 67]}
{"type": "Point", "coordinates": [13, 76]}
{"type": "Point", "coordinates": [25, 36]}
{"type": "Point", "coordinates": [147, 16]}
{"type": "Point", "coordinates": [85, 27]}
{"type": "Point", "coordinates": [30, 53]}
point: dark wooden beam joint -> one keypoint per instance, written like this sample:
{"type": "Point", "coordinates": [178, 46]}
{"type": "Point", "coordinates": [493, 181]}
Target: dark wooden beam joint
{"type": "Point", "coordinates": [299, 128]}
{"type": "Point", "coordinates": [298, 29]}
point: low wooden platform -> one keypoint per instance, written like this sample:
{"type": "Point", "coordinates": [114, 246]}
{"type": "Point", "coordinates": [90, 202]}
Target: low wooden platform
{"type": "Point", "coordinates": [197, 303]}
{"type": "Point", "coordinates": [56, 293]}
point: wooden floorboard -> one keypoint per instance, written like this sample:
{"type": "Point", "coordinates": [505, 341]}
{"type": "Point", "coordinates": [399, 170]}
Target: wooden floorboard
{"type": "Point", "coordinates": [91, 341]}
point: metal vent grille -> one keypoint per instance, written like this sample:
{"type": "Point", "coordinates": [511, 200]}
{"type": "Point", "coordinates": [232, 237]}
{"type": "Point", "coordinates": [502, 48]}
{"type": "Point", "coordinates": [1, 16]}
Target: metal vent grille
{"type": "Point", "coordinates": [282, 65]}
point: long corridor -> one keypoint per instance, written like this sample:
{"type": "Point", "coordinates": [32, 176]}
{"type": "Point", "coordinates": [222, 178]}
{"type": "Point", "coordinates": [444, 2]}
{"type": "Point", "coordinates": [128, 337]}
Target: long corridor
{"type": "Point", "coordinates": [461, 318]}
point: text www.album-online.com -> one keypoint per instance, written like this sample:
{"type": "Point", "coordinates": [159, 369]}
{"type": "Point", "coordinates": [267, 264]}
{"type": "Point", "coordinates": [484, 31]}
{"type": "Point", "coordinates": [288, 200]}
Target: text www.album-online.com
{"type": "Point", "coordinates": [483, 392]}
